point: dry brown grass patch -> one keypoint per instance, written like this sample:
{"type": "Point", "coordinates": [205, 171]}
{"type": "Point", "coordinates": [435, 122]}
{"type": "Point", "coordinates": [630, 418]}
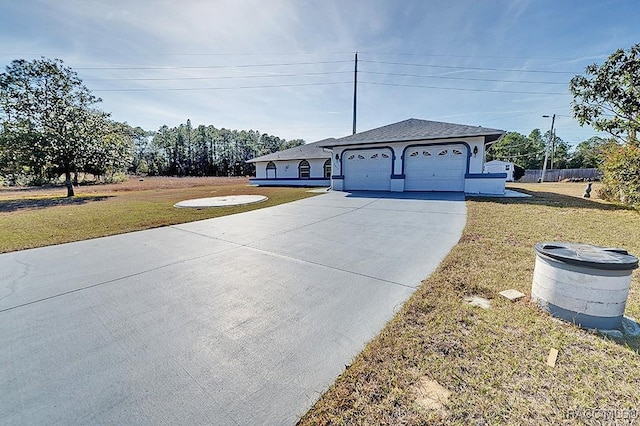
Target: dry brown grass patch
{"type": "Point", "coordinates": [493, 362]}
{"type": "Point", "coordinates": [37, 217]}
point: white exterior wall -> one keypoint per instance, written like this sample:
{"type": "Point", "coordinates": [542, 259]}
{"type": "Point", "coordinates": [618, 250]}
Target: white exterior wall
{"type": "Point", "coordinates": [497, 166]}
{"type": "Point", "coordinates": [476, 163]}
{"type": "Point", "coordinates": [261, 170]}
{"type": "Point", "coordinates": [489, 186]}
{"type": "Point", "coordinates": [291, 182]}
{"type": "Point", "coordinates": [317, 167]}
{"type": "Point", "coordinates": [288, 169]}
{"type": "Point", "coordinates": [287, 173]}
{"type": "Point", "coordinates": [397, 185]}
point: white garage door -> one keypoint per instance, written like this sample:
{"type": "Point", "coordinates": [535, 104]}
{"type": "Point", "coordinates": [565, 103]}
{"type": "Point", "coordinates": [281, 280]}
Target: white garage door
{"type": "Point", "coordinates": [367, 170]}
{"type": "Point", "coordinates": [435, 168]}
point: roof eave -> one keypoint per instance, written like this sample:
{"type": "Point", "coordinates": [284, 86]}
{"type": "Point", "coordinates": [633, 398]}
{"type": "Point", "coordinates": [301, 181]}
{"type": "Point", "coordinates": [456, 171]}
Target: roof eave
{"type": "Point", "coordinates": [280, 157]}
{"type": "Point", "coordinates": [492, 137]}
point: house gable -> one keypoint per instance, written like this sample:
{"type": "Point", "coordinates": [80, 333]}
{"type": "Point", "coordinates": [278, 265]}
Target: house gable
{"type": "Point", "coordinates": [424, 155]}
{"type": "Point", "coordinates": [411, 155]}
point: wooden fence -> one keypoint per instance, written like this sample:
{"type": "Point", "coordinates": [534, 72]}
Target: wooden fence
{"type": "Point", "coordinates": [557, 175]}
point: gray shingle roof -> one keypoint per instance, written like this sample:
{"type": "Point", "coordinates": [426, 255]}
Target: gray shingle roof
{"type": "Point", "coordinates": [414, 129]}
{"type": "Point", "coordinates": [302, 152]}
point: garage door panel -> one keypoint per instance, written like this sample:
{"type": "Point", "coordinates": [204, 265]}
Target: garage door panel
{"type": "Point", "coordinates": [367, 170]}
{"type": "Point", "coordinates": [435, 168]}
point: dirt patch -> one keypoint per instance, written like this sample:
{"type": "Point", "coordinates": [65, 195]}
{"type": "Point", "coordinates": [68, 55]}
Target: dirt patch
{"type": "Point", "coordinates": [431, 395]}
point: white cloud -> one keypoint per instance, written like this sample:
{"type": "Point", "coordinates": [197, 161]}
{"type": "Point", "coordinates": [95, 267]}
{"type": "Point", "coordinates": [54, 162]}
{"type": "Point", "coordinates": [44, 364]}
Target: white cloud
{"type": "Point", "coordinates": [468, 33]}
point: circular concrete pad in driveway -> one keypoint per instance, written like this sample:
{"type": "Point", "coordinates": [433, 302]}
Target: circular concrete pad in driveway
{"type": "Point", "coordinates": [229, 200]}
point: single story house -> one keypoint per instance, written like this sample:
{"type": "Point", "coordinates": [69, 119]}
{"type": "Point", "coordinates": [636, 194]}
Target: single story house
{"type": "Point", "coordinates": [497, 166]}
{"type": "Point", "coordinates": [304, 165]}
{"type": "Point", "coordinates": [416, 155]}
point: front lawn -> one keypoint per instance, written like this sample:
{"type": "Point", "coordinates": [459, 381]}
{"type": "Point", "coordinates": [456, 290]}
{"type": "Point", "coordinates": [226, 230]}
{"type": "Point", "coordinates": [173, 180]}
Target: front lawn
{"type": "Point", "coordinates": [443, 361]}
{"type": "Point", "coordinates": [39, 217]}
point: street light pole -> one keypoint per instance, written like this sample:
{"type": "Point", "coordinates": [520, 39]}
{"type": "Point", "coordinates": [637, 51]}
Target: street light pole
{"type": "Point", "coordinates": [546, 151]}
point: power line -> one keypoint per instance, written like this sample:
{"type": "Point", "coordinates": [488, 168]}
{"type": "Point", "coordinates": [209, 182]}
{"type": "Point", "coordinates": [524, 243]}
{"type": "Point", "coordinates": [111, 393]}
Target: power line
{"type": "Point", "coordinates": [464, 78]}
{"type": "Point", "coordinates": [221, 88]}
{"type": "Point", "coordinates": [165, 54]}
{"type": "Point", "coordinates": [220, 77]}
{"type": "Point", "coordinates": [471, 68]}
{"type": "Point", "coordinates": [525, 113]}
{"type": "Point", "coordinates": [212, 66]}
{"type": "Point", "coordinates": [518, 145]}
{"type": "Point", "coordinates": [447, 55]}
{"type": "Point", "coordinates": [527, 154]}
{"type": "Point", "coordinates": [466, 90]}
{"type": "Point", "coordinates": [204, 54]}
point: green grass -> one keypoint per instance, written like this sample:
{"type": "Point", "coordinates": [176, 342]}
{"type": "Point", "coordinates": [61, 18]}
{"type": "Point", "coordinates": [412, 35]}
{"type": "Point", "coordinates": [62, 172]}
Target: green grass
{"type": "Point", "coordinates": [494, 361]}
{"type": "Point", "coordinates": [29, 221]}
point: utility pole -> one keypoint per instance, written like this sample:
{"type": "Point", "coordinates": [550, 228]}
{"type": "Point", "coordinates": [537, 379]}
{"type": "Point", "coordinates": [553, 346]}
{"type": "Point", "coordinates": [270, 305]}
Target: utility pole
{"type": "Point", "coordinates": [355, 92]}
{"type": "Point", "coordinates": [553, 147]}
{"type": "Point", "coordinates": [546, 151]}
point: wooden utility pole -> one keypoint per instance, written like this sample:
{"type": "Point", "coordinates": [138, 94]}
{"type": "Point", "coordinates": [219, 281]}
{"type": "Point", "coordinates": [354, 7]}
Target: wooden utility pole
{"type": "Point", "coordinates": [355, 92]}
{"type": "Point", "coordinates": [553, 147]}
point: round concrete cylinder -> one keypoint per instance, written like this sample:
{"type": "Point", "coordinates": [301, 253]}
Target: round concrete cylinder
{"type": "Point", "coordinates": [583, 284]}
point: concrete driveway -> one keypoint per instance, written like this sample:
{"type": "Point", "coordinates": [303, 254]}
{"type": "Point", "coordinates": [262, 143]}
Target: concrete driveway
{"type": "Point", "coordinates": [244, 319]}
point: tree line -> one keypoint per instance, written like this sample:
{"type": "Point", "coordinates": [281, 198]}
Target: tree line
{"type": "Point", "coordinates": [528, 152]}
{"type": "Point", "coordinates": [202, 151]}
{"type": "Point", "coordinates": [50, 126]}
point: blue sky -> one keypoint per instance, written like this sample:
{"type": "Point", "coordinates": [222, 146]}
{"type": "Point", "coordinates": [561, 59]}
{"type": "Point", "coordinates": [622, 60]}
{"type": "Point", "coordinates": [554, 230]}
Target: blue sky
{"type": "Point", "coordinates": [285, 67]}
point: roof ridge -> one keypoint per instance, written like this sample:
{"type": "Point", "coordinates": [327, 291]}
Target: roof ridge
{"type": "Point", "coordinates": [443, 122]}
{"type": "Point", "coordinates": [417, 129]}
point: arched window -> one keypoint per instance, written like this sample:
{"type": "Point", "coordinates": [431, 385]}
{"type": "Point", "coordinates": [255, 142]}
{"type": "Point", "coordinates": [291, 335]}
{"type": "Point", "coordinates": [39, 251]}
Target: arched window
{"type": "Point", "coordinates": [271, 170]}
{"type": "Point", "coordinates": [303, 169]}
{"type": "Point", "coordinates": [327, 169]}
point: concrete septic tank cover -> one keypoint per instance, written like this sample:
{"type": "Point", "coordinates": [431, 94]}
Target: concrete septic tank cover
{"type": "Point", "coordinates": [224, 201]}
{"type": "Point", "coordinates": [582, 283]}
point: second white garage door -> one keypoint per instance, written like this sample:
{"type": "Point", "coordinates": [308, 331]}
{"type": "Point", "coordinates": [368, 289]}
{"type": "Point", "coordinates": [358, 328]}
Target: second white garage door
{"type": "Point", "coordinates": [367, 170]}
{"type": "Point", "coordinates": [435, 168]}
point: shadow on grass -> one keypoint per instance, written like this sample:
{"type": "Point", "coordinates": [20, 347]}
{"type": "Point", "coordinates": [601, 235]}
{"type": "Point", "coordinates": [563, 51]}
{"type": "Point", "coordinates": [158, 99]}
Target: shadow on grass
{"type": "Point", "coordinates": [19, 189]}
{"type": "Point", "coordinates": [631, 343]}
{"type": "Point", "coordinates": [552, 199]}
{"type": "Point", "coordinates": [628, 337]}
{"type": "Point", "coordinates": [7, 206]}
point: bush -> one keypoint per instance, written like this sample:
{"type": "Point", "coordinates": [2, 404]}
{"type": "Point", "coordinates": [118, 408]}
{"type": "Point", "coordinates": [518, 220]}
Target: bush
{"type": "Point", "coordinates": [143, 167]}
{"type": "Point", "coordinates": [621, 168]}
{"type": "Point", "coordinates": [518, 172]}
{"type": "Point", "coordinates": [16, 179]}
{"type": "Point", "coordinates": [116, 177]}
